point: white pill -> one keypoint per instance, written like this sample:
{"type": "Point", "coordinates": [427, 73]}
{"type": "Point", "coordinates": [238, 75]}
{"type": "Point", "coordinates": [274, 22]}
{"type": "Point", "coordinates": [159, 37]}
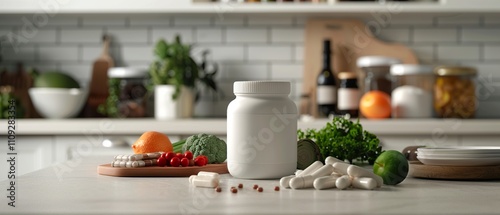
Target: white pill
{"type": "Point", "coordinates": [209, 174]}
{"type": "Point", "coordinates": [191, 178]}
{"type": "Point", "coordinates": [331, 160]}
{"type": "Point", "coordinates": [297, 172]}
{"type": "Point", "coordinates": [341, 167]}
{"type": "Point", "coordinates": [356, 171]}
{"type": "Point", "coordinates": [325, 182]}
{"type": "Point", "coordinates": [311, 168]}
{"type": "Point", "coordinates": [343, 182]}
{"type": "Point", "coordinates": [203, 181]}
{"type": "Point", "coordinates": [364, 183]}
{"type": "Point", "coordinates": [336, 174]}
{"type": "Point", "coordinates": [285, 181]}
{"type": "Point", "coordinates": [307, 181]}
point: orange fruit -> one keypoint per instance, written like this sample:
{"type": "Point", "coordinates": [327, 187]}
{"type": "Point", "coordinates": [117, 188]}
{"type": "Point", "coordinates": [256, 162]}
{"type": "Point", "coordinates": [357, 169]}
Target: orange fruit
{"type": "Point", "coordinates": [152, 141]}
{"type": "Point", "coordinates": [375, 105]}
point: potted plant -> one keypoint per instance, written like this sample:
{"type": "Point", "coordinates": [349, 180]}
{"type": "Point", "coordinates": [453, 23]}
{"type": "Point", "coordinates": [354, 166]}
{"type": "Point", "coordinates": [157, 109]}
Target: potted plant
{"type": "Point", "coordinates": [175, 76]}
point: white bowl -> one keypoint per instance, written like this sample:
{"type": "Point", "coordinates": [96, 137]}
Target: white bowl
{"type": "Point", "coordinates": [58, 102]}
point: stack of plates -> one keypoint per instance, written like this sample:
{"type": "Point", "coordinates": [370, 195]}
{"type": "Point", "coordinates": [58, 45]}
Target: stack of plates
{"type": "Point", "coordinates": [460, 156]}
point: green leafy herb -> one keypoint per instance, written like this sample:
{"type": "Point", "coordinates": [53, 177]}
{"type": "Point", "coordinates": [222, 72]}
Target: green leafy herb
{"type": "Point", "coordinates": [345, 140]}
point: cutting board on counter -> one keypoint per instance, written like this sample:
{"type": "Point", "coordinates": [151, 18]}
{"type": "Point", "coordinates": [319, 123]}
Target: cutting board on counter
{"type": "Point", "coordinates": [419, 170]}
{"type": "Point", "coordinates": [350, 40]}
{"type": "Point", "coordinates": [156, 171]}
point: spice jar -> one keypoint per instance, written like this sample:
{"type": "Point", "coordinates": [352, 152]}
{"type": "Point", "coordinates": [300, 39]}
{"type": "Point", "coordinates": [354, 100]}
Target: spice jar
{"type": "Point", "coordinates": [128, 85]}
{"type": "Point", "coordinates": [413, 89]}
{"type": "Point", "coordinates": [261, 130]}
{"type": "Point", "coordinates": [454, 92]}
{"type": "Point", "coordinates": [348, 94]}
{"type": "Point", "coordinates": [377, 73]}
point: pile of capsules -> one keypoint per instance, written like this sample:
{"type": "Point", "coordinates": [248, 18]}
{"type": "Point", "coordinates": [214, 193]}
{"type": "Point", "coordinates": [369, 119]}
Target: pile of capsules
{"type": "Point", "coordinates": [334, 174]}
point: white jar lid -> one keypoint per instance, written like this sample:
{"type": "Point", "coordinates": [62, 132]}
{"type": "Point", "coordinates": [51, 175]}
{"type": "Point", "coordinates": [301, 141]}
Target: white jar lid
{"type": "Point", "coordinates": [368, 61]}
{"type": "Point", "coordinates": [127, 72]}
{"type": "Point", "coordinates": [411, 69]}
{"type": "Point", "coordinates": [261, 87]}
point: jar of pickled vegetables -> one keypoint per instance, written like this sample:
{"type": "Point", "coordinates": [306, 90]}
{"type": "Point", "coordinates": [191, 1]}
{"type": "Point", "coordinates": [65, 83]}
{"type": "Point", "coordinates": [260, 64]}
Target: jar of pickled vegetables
{"type": "Point", "coordinates": [454, 92]}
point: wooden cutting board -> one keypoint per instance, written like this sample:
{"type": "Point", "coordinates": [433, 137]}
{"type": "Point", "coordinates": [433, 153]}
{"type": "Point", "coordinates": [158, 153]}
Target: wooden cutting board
{"type": "Point", "coordinates": [350, 40]}
{"type": "Point", "coordinates": [419, 170]}
{"type": "Point", "coordinates": [156, 171]}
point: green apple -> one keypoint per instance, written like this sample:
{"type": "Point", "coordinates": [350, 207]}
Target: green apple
{"type": "Point", "coordinates": [392, 166]}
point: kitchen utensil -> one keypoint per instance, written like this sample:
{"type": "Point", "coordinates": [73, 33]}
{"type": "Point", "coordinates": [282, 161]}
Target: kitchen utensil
{"type": "Point", "coordinates": [99, 83]}
{"type": "Point", "coordinates": [352, 39]}
{"type": "Point", "coordinates": [156, 171]}
{"type": "Point", "coordinates": [455, 172]}
{"type": "Point", "coordinates": [58, 102]}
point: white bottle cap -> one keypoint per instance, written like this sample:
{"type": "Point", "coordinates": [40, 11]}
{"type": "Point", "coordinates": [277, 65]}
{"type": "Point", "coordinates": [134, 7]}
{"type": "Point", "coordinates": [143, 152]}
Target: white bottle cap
{"type": "Point", "coordinates": [261, 87]}
{"type": "Point", "coordinates": [411, 69]}
{"type": "Point", "coordinates": [369, 61]}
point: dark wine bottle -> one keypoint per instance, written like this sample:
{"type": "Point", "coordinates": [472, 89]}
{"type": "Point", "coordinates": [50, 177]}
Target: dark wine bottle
{"type": "Point", "coordinates": [326, 93]}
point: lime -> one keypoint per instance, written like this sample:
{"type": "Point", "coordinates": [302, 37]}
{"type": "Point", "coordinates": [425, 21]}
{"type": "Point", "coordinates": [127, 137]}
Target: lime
{"type": "Point", "coordinates": [392, 166]}
{"type": "Point", "coordinates": [55, 80]}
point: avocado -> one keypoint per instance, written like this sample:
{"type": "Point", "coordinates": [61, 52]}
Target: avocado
{"type": "Point", "coordinates": [55, 80]}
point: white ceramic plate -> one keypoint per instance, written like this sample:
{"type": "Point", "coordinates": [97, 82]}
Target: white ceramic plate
{"type": "Point", "coordinates": [459, 161]}
{"type": "Point", "coordinates": [457, 156]}
{"type": "Point", "coordinates": [462, 150]}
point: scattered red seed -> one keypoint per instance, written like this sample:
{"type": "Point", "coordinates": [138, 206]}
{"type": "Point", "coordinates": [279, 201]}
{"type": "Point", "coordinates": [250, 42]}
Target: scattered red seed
{"type": "Point", "coordinates": [240, 186]}
{"type": "Point", "coordinates": [234, 190]}
{"type": "Point", "coordinates": [218, 189]}
{"type": "Point", "coordinates": [277, 188]}
{"type": "Point", "coordinates": [260, 189]}
{"type": "Point", "coordinates": [255, 186]}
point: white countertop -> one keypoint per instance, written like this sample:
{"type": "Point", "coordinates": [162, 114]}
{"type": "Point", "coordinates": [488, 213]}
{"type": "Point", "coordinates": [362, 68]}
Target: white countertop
{"type": "Point", "coordinates": [218, 126]}
{"type": "Point", "coordinates": [80, 190]}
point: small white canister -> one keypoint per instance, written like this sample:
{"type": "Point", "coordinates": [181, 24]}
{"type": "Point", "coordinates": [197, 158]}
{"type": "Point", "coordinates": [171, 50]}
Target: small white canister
{"type": "Point", "coordinates": [261, 130]}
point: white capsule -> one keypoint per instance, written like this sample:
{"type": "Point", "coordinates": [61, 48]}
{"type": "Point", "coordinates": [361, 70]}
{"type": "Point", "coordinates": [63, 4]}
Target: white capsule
{"type": "Point", "coordinates": [356, 171]}
{"type": "Point", "coordinates": [297, 172]}
{"type": "Point", "coordinates": [203, 181]}
{"type": "Point", "coordinates": [307, 181]}
{"type": "Point", "coordinates": [331, 160]}
{"type": "Point", "coordinates": [311, 168]}
{"type": "Point", "coordinates": [364, 183]}
{"type": "Point", "coordinates": [285, 181]}
{"type": "Point", "coordinates": [341, 167]}
{"type": "Point", "coordinates": [209, 174]}
{"type": "Point", "coordinates": [336, 174]}
{"type": "Point", "coordinates": [191, 179]}
{"type": "Point", "coordinates": [325, 182]}
{"type": "Point", "coordinates": [343, 182]}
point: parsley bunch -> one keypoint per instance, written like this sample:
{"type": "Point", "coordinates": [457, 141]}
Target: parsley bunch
{"type": "Point", "coordinates": [344, 140]}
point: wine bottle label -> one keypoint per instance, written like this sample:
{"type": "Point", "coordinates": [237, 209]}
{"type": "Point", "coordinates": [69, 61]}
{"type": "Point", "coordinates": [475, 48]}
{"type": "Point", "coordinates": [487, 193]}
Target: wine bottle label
{"type": "Point", "coordinates": [348, 99]}
{"type": "Point", "coordinates": [326, 95]}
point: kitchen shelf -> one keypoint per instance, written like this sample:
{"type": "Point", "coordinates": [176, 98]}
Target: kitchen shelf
{"type": "Point", "coordinates": [106, 126]}
{"type": "Point", "coordinates": [189, 7]}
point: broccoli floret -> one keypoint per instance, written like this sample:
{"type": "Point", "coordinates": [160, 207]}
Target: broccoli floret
{"type": "Point", "coordinates": [209, 145]}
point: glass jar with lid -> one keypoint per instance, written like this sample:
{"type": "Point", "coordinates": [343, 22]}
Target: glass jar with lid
{"type": "Point", "coordinates": [454, 92]}
{"type": "Point", "coordinates": [412, 95]}
{"type": "Point", "coordinates": [377, 73]}
{"type": "Point", "coordinates": [348, 94]}
{"type": "Point", "coordinates": [127, 91]}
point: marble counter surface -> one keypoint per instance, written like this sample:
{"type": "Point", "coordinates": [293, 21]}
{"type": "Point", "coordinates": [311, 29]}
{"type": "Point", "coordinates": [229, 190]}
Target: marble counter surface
{"type": "Point", "coordinates": [76, 188]}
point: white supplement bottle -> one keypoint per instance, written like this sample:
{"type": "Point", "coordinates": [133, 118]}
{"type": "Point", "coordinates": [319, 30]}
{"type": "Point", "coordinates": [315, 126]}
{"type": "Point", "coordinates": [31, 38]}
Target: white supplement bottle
{"type": "Point", "coordinates": [261, 130]}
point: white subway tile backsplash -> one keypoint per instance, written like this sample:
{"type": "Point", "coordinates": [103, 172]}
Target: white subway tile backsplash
{"type": "Point", "coordinates": [270, 53]}
{"type": "Point", "coordinates": [58, 53]}
{"type": "Point", "coordinates": [401, 35]}
{"type": "Point", "coordinates": [244, 71]}
{"type": "Point", "coordinates": [293, 35]}
{"type": "Point", "coordinates": [228, 20]}
{"type": "Point", "coordinates": [18, 53]}
{"type": "Point", "coordinates": [425, 53]}
{"type": "Point", "coordinates": [209, 35]}
{"type": "Point", "coordinates": [296, 91]}
{"type": "Point", "coordinates": [65, 20]}
{"type": "Point", "coordinates": [44, 36]}
{"type": "Point", "coordinates": [247, 35]}
{"type": "Point", "coordinates": [287, 71]}
{"type": "Point", "coordinates": [435, 35]}
{"type": "Point", "coordinates": [81, 35]}
{"type": "Point", "coordinates": [192, 21]}
{"type": "Point", "coordinates": [298, 53]}
{"type": "Point", "coordinates": [91, 53]}
{"type": "Point", "coordinates": [150, 20]}
{"type": "Point", "coordinates": [122, 35]}
{"type": "Point", "coordinates": [137, 53]}
{"type": "Point", "coordinates": [488, 70]}
{"type": "Point", "coordinates": [300, 21]}
{"type": "Point", "coordinates": [458, 52]}
{"type": "Point", "coordinates": [222, 53]}
{"type": "Point", "coordinates": [492, 52]}
{"type": "Point", "coordinates": [401, 20]}
{"type": "Point", "coordinates": [458, 19]}
{"type": "Point", "coordinates": [265, 20]}
{"type": "Point", "coordinates": [104, 20]}
{"type": "Point", "coordinates": [81, 72]}
{"type": "Point", "coordinates": [481, 35]}
{"type": "Point", "coordinates": [492, 19]}
{"type": "Point", "coordinates": [169, 34]}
